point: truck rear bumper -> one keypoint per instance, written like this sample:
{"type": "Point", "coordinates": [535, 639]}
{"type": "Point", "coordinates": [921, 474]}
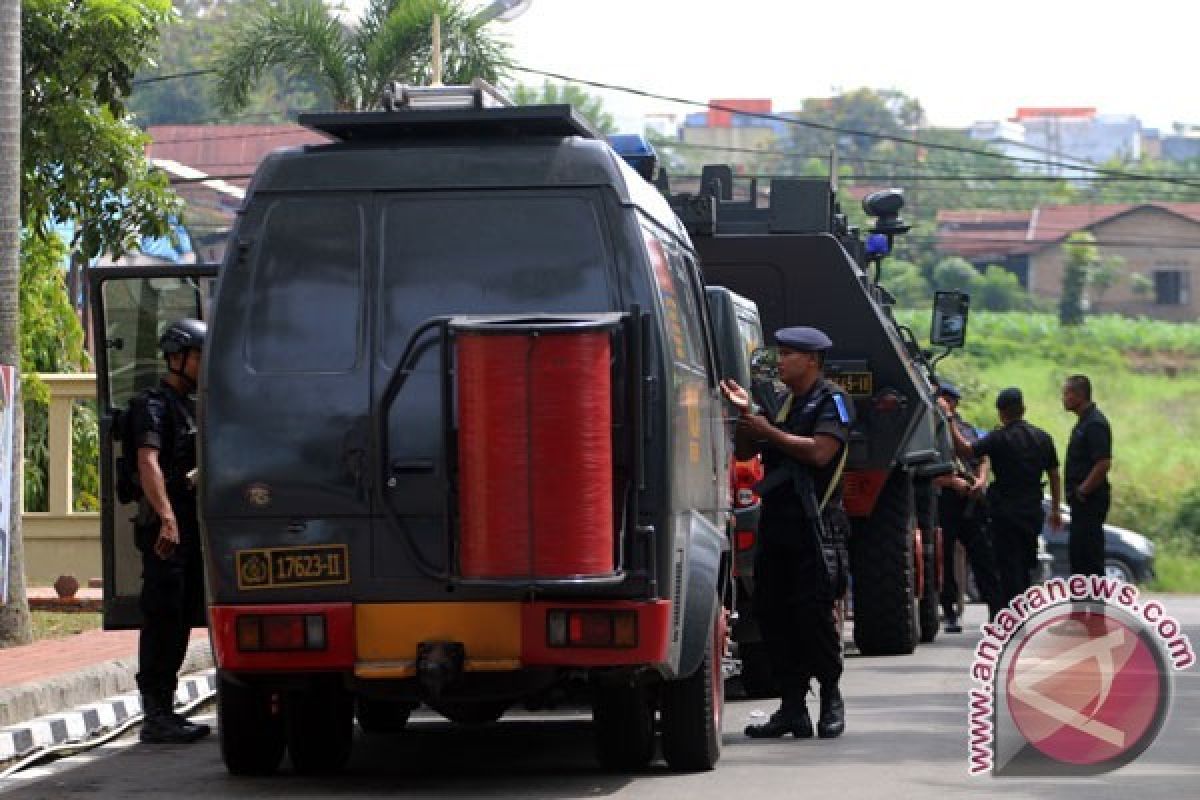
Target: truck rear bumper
{"type": "Point", "coordinates": [380, 640]}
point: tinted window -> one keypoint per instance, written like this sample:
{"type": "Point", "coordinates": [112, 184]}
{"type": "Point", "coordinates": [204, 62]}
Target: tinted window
{"type": "Point", "coordinates": [306, 295]}
{"type": "Point", "coordinates": [498, 253]}
{"type": "Point", "coordinates": [680, 310]}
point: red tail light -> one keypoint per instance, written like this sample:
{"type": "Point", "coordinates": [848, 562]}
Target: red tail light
{"type": "Point", "coordinates": [572, 628]}
{"type": "Point", "coordinates": [744, 540]}
{"type": "Point", "coordinates": [279, 632]}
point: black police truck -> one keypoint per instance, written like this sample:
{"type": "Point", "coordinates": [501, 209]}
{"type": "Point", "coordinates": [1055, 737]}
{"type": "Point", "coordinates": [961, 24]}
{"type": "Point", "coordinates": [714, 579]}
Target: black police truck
{"type": "Point", "coordinates": [800, 262]}
{"type": "Point", "coordinates": [461, 438]}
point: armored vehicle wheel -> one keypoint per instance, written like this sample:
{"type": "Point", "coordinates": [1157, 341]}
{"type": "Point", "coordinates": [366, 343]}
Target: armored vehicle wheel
{"type": "Point", "coordinates": [250, 727]}
{"type": "Point", "coordinates": [881, 561]}
{"type": "Point", "coordinates": [479, 713]}
{"type": "Point", "coordinates": [320, 728]}
{"type": "Point", "coordinates": [623, 717]}
{"type": "Point", "coordinates": [930, 596]}
{"type": "Point", "coordinates": [382, 716]}
{"type": "Point", "coordinates": [757, 680]}
{"type": "Point", "coordinates": [693, 708]}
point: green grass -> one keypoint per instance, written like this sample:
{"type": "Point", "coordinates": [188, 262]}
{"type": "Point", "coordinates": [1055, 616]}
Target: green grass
{"type": "Point", "coordinates": [1146, 378]}
{"type": "Point", "coordinates": [1176, 573]}
{"type": "Point", "coordinates": [58, 624]}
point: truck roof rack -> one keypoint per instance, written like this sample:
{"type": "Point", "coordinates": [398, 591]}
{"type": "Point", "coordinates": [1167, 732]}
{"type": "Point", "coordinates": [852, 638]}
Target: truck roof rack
{"type": "Point", "coordinates": [450, 123]}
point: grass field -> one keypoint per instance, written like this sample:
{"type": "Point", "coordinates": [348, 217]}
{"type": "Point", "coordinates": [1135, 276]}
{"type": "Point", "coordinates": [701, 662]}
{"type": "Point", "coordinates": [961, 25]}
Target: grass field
{"type": "Point", "coordinates": [57, 624]}
{"type": "Point", "coordinates": [1146, 378]}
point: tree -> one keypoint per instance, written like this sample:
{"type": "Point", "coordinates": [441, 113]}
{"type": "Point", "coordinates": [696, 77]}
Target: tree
{"type": "Point", "coordinates": [954, 273]}
{"type": "Point", "coordinates": [1080, 257]}
{"type": "Point", "coordinates": [588, 105]}
{"type": "Point", "coordinates": [81, 161]}
{"type": "Point", "coordinates": [392, 41]}
{"type": "Point", "coordinates": [997, 289]}
{"type": "Point", "coordinates": [14, 614]}
{"type": "Point", "coordinates": [906, 283]}
{"type": "Point", "coordinates": [1105, 274]}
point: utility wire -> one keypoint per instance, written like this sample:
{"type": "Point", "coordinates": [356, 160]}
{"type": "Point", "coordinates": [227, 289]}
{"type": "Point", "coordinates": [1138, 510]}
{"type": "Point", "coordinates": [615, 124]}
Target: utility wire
{"type": "Point", "coordinates": [172, 76]}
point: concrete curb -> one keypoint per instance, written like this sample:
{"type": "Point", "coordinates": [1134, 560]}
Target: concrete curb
{"type": "Point", "coordinates": [90, 721]}
{"type": "Point", "coordinates": [69, 690]}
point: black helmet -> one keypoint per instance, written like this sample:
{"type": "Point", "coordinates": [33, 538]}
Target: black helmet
{"type": "Point", "coordinates": [184, 334]}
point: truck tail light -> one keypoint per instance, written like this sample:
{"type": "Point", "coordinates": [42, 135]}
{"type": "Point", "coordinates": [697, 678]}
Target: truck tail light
{"type": "Point", "coordinates": [591, 628]}
{"type": "Point", "coordinates": [744, 540]}
{"type": "Point", "coordinates": [280, 632]}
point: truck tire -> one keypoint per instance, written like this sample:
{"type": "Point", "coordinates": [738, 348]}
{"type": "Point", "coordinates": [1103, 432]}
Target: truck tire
{"type": "Point", "coordinates": [479, 713]}
{"type": "Point", "coordinates": [382, 716]}
{"type": "Point", "coordinates": [623, 717]}
{"type": "Point", "coordinates": [881, 562]}
{"type": "Point", "coordinates": [320, 728]}
{"type": "Point", "coordinates": [757, 679]}
{"type": "Point", "coordinates": [693, 709]}
{"type": "Point", "coordinates": [250, 727]}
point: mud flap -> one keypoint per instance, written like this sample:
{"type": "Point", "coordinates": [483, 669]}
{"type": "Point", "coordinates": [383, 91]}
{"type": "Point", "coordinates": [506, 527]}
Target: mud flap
{"type": "Point", "coordinates": [705, 546]}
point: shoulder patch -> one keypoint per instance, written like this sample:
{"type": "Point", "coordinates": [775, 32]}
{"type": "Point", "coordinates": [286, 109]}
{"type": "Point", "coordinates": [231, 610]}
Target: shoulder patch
{"type": "Point", "coordinates": [839, 400]}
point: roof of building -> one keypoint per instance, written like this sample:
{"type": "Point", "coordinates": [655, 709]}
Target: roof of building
{"type": "Point", "coordinates": [974, 233]}
{"type": "Point", "coordinates": [225, 151]}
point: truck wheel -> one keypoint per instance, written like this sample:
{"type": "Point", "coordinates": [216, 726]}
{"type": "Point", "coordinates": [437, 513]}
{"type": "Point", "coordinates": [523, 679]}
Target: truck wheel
{"type": "Point", "coordinates": [931, 592]}
{"type": "Point", "coordinates": [623, 717]}
{"type": "Point", "coordinates": [757, 680]}
{"type": "Point", "coordinates": [320, 728]}
{"type": "Point", "coordinates": [479, 713]}
{"type": "Point", "coordinates": [251, 729]}
{"type": "Point", "coordinates": [693, 708]}
{"type": "Point", "coordinates": [881, 561]}
{"type": "Point", "coordinates": [382, 716]}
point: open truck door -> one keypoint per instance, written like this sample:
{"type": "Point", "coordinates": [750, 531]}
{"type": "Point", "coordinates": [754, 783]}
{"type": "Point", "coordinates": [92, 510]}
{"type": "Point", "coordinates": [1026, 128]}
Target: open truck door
{"type": "Point", "coordinates": [130, 308]}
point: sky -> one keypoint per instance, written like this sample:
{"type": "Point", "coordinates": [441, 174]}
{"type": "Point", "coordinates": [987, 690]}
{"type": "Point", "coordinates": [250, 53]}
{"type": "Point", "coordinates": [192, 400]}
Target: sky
{"type": "Point", "coordinates": [963, 60]}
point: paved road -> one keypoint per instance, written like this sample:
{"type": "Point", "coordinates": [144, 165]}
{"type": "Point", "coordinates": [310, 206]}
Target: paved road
{"type": "Point", "coordinates": [906, 739]}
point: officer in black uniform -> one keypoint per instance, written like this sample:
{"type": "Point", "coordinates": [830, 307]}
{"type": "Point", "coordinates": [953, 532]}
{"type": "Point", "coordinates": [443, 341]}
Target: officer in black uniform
{"type": "Point", "coordinates": [801, 564]}
{"type": "Point", "coordinates": [1019, 453]}
{"type": "Point", "coordinates": [1089, 457]}
{"type": "Point", "coordinates": [962, 513]}
{"type": "Point", "coordinates": [163, 426]}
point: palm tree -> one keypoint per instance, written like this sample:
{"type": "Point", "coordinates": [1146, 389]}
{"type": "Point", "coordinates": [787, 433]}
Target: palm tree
{"type": "Point", "coordinates": [392, 41]}
{"type": "Point", "coordinates": [14, 610]}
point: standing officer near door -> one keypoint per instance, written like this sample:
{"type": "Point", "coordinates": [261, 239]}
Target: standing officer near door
{"type": "Point", "coordinates": [1089, 457]}
{"type": "Point", "coordinates": [167, 531]}
{"type": "Point", "coordinates": [801, 564]}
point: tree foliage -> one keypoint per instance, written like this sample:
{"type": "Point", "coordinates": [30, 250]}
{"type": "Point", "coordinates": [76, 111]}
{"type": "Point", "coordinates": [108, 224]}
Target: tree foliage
{"type": "Point", "coordinates": [588, 105]}
{"type": "Point", "coordinates": [907, 284]}
{"type": "Point", "coordinates": [1080, 257]}
{"type": "Point", "coordinates": [81, 160]}
{"type": "Point", "coordinates": [392, 41]}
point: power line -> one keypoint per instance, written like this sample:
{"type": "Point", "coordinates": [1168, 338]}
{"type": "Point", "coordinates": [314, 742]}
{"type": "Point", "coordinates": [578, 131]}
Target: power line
{"type": "Point", "coordinates": [833, 128]}
{"type": "Point", "coordinates": [172, 76]}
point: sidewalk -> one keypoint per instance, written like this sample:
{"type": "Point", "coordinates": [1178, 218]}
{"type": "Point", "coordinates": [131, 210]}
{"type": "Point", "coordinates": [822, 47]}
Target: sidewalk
{"type": "Point", "coordinates": [56, 675]}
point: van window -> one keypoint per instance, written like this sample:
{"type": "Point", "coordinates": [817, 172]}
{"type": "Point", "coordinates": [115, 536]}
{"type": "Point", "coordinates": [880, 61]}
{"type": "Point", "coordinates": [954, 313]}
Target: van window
{"type": "Point", "coordinates": [496, 253]}
{"type": "Point", "coordinates": [681, 313]}
{"type": "Point", "coordinates": [306, 293]}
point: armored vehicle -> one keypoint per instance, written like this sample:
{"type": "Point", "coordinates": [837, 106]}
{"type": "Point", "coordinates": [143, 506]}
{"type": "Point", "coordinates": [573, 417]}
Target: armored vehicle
{"type": "Point", "coordinates": [797, 259]}
{"type": "Point", "coordinates": [461, 438]}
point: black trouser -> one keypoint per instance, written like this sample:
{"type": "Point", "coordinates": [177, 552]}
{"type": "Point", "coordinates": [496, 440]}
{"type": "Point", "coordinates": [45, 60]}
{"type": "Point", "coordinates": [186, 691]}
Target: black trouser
{"type": "Point", "coordinates": [794, 602]}
{"type": "Point", "coordinates": [1015, 540]}
{"type": "Point", "coordinates": [964, 520]}
{"type": "Point", "coordinates": [172, 598]}
{"type": "Point", "coordinates": [1086, 541]}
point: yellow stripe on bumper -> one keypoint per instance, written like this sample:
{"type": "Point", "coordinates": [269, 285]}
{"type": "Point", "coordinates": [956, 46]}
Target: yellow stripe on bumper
{"type": "Point", "coordinates": [387, 635]}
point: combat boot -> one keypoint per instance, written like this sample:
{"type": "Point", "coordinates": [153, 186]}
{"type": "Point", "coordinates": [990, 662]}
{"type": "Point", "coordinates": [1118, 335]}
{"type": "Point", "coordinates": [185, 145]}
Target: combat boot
{"type": "Point", "coordinates": [161, 725]}
{"type": "Point", "coordinates": [792, 717]}
{"type": "Point", "coordinates": [832, 721]}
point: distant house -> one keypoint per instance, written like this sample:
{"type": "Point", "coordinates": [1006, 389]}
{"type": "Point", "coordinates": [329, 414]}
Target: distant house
{"type": "Point", "coordinates": [1158, 241]}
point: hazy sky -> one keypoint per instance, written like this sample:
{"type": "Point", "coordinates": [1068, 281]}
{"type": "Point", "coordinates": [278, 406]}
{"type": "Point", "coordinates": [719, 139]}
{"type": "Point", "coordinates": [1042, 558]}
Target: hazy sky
{"type": "Point", "coordinates": [964, 60]}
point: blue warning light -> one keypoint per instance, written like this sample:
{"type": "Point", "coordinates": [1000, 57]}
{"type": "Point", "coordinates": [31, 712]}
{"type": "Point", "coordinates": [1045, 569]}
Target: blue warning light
{"type": "Point", "coordinates": [877, 245]}
{"type": "Point", "coordinates": [637, 153]}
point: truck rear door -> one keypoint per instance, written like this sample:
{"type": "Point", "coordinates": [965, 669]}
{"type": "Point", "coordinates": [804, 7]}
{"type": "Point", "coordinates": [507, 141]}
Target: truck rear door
{"type": "Point", "coordinates": [130, 307]}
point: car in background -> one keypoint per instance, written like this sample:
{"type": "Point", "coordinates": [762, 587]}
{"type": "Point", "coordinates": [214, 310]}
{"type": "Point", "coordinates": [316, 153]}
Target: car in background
{"type": "Point", "coordinates": [1128, 555]}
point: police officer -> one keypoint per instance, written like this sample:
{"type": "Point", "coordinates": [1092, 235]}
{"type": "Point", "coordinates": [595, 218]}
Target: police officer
{"type": "Point", "coordinates": [1089, 457]}
{"type": "Point", "coordinates": [801, 563]}
{"type": "Point", "coordinates": [1019, 453]}
{"type": "Point", "coordinates": [162, 421]}
{"type": "Point", "coordinates": [962, 513]}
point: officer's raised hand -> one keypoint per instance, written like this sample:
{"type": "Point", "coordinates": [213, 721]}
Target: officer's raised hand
{"type": "Point", "coordinates": [753, 425]}
{"type": "Point", "coordinates": [736, 395]}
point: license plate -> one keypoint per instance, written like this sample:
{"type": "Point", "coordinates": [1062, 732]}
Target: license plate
{"type": "Point", "coordinates": [282, 567]}
{"type": "Point", "coordinates": [855, 383]}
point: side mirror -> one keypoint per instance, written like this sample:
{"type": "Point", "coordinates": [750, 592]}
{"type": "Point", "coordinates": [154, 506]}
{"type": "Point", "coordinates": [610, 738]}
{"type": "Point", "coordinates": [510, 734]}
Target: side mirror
{"type": "Point", "coordinates": [949, 328]}
{"type": "Point", "coordinates": [764, 364]}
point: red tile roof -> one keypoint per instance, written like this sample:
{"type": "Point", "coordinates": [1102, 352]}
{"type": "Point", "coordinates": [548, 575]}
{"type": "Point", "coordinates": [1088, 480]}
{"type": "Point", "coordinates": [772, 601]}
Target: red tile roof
{"type": "Point", "coordinates": [225, 150]}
